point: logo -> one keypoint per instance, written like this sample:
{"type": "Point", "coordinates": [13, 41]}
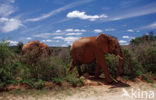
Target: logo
{"type": "Point", "coordinates": [138, 93]}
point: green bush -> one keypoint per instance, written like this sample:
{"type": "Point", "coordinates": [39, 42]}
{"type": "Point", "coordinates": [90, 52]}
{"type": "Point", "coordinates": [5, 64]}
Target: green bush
{"type": "Point", "coordinates": [73, 80]}
{"type": "Point", "coordinates": [148, 59]}
{"type": "Point", "coordinates": [45, 69]}
{"type": "Point", "coordinates": [63, 54]}
{"type": "Point", "coordinates": [57, 80]}
{"type": "Point", "coordinates": [8, 66]}
{"type": "Point", "coordinates": [131, 67]}
{"type": "Point", "coordinates": [145, 51]}
{"type": "Point", "coordinates": [112, 63]}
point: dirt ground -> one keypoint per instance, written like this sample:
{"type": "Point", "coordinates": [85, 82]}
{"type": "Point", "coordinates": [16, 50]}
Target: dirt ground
{"type": "Point", "coordinates": [93, 90]}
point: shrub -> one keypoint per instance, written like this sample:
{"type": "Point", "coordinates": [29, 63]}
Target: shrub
{"type": "Point", "coordinates": [112, 63]}
{"type": "Point", "coordinates": [74, 81]}
{"type": "Point", "coordinates": [57, 80]}
{"type": "Point", "coordinates": [145, 51]}
{"type": "Point", "coordinates": [18, 48]}
{"type": "Point", "coordinates": [7, 65]}
{"type": "Point", "coordinates": [63, 54]}
{"type": "Point", "coordinates": [131, 67]}
{"type": "Point", "coordinates": [148, 59]}
{"type": "Point", "coordinates": [45, 69]}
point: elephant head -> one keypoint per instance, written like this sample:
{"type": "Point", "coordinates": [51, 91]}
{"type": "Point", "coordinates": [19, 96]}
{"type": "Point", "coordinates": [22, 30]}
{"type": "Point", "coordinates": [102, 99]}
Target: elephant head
{"type": "Point", "coordinates": [110, 45]}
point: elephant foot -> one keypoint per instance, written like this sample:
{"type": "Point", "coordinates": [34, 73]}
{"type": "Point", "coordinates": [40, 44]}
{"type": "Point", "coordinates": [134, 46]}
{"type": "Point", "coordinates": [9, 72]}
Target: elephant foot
{"type": "Point", "coordinates": [109, 80]}
{"type": "Point", "coordinates": [97, 77]}
{"type": "Point", "coordinates": [119, 74]}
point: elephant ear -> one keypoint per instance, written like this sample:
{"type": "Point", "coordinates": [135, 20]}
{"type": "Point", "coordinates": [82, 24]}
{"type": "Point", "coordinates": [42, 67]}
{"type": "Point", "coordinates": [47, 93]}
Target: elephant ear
{"type": "Point", "coordinates": [103, 42]}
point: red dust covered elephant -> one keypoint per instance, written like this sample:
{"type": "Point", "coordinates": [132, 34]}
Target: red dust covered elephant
{"type": "Point", "coordinates": [35, 49]}
{"type": "Point", "coordinates": [89, 49]}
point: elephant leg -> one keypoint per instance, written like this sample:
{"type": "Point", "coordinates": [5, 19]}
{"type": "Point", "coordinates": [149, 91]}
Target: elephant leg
{"type": "Point", "coordinates": [97, 71]}
{"type": "Point", "coordinates": [79, 70]}
{"type": "Point", "coordinates": [119, 72]}
{"type": "Point", "coordinates": [101, 61]}
{"type": "Point", "coordinates": [72, 66]}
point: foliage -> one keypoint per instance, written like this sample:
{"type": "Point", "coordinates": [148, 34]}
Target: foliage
{"type": "Point", "coordinates": [145, 51]}
{"type": "Point", "coordinates": [147, 59]}
{"type": "Point", "coordinates": [112, 63]}
{"type": "Point", "coordinates": [74, 81]}
{"type": "Point", "coordinates": [146, 38]}
{"type": "Point", "coordinates": [8, 65]}
{"type": "Point", "coordinates": [45, 69]}
{"type": "Point", "coordinates": [138, 60]}
{"type": "Point", "coordinates": [131, 67]}
{"type": "Point", "coordinates": [57, 80]}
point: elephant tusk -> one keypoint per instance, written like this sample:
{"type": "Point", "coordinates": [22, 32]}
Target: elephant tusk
{"type": "Point", "coordinates": [120, 57]}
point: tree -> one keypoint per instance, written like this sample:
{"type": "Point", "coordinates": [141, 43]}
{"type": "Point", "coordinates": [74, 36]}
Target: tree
{"type": "Point", "coordinates": [19, 47]}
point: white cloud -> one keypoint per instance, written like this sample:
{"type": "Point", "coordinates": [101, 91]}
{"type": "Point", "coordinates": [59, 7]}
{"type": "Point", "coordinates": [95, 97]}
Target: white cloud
{"type": "Point", "coordinates": [70, 39]}
{"type": "Point", "coordinates": [150, 26]}
{"type": "Point", "coordinates": [69, 30]}
{"type": "Point", "coordinates": [128, 37]}
{"type": "Point", "coordinates": [57, 41]}
{"type": "Point", "coordinates": [83, 15]}
{"type": "Point", "coordinates": [74, 33]}
{"type": "Point", "coordinates": [109, 29]}
{"type": "Point", "coordinates": [147, 9]}
{"type": "Point", "coordinates": [58, 31]}
{"type": "Point", "coordinates": [28, 38]}
{"type": "Point", "coordinates": [83, 30]}
{"type": "Point", "coordinates": [123, 42]}
{"type": "Point", "coordinates": [132, 38]}
{"type": "Point", "coordinates": [43, 35]}
{"type": "Point", "coordinates": [58, 37]}
{"type": "Point", "coordinates": [98, 30]}
{"type": "Point", "coordinates": [64, 45]}
{"type": "Point", "coordinates": [125, 37]}
{"type": "Point", "coordinates": [8, 25]}
{"type": "Point", "coordinates": [47, 40]}
{"type": "Point", "coordinates": [124, 25]}
{"type": "Point", "coordinates": [138, 31]}
{"type": "Point", "coordinates": [2, 20]}
{"type": "Point", "coordinates": [47, 35]}
{"type": "Point", "coordinates": [6, 9]}
{"type": "Point", "coordinates": [12, 43]}
{"type": "Point", "coordinates": [75, 30]}
{"type": "Point", "coordinates": [11, 1]}
{"type": "Point", "coordinates": [130, 30]}
{"type": "Point", "coordinates": [53, 12]}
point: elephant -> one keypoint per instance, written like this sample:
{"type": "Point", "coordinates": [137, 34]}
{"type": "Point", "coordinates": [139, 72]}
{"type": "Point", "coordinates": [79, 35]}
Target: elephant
{"type": "Point", "coordinates": [93, 49]}
{"type": "Point", "coordinates": [35, 49]}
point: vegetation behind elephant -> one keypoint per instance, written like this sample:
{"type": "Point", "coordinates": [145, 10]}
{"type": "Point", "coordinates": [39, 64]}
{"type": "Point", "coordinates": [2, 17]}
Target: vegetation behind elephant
{"type": "Point", "coordinates": [35, 49]}
{"type": "Point", "coordinates": [89, 49]}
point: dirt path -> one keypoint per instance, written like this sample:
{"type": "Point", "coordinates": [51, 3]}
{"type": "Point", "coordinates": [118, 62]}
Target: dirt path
{"type": "Point", "coordinates": [95, 91]}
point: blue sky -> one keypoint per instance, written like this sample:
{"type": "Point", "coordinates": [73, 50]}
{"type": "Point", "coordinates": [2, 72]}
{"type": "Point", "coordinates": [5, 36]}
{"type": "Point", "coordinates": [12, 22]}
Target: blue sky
{"type": "Point", "coordinates": [60, 22]}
